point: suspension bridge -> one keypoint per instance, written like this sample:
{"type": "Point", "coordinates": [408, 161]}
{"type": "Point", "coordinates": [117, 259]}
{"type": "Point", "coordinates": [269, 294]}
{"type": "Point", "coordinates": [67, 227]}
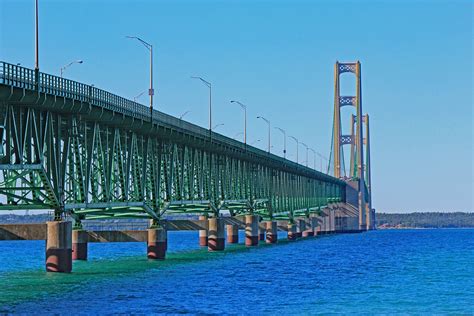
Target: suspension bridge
{"type": "Point", "coordinates": [90, 155]}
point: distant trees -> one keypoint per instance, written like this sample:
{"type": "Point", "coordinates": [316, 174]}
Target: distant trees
{"type": "Point", "coordinates": [425, 220]}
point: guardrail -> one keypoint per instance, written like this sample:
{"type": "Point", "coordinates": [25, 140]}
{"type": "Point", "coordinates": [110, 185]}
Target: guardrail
{"type": "Point", "coordinates": [21, 77]}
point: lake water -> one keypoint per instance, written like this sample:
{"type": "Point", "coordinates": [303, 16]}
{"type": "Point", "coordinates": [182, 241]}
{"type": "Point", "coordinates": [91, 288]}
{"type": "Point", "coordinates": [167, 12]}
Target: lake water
{"type": "Point", "coordinates": [380, 272]}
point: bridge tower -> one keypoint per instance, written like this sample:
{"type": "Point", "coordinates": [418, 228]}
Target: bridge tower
{"type": "Point", "coordinates": [355, 139]}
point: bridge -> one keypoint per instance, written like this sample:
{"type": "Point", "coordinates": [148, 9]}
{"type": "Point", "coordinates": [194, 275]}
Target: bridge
{"type": "Point", "coordinates": [88, 155]}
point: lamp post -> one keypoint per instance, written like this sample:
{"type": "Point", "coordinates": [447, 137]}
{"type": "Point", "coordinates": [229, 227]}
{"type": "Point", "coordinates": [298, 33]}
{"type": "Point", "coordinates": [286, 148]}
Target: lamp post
{"type": "Point", "coordinates": [148, 46]}
{"type": "Point", "coordinates": [297, 145]}
{"type": "Point", "coordinates": [314, 157]}
{"type": "Point", "coordinates": [139, 95]}
{"type": "Point", "coordinates": [208, 84]}
{"type": "Point", "coordinates": [284, 141]}
{"type": "Point", "coordinates": [217, 125]}
{"type": "Point", "coordinates": [321, 161]}
{"type": "Point", "coordinates": [71, 63]}
{"type": "Point", "coordinates": [36, 38]}
{"type": "Point", "coordinates": [268, 122]}
{"type": "Point", "coordinates": [244, 107]}
{"type": "Point", "coordinates": [235, 136]}
{"type": "Point", "coordinates": [306, 146]}
{"type": "Point", "coordinates": [254, 142]}
{"type": "Point", "coordinates": [182, 115]}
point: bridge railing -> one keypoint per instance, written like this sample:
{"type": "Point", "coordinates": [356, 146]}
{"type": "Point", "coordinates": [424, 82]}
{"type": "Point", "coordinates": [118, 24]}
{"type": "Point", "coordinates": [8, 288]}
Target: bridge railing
{"type": "Point", "coordinates": [21, 77]}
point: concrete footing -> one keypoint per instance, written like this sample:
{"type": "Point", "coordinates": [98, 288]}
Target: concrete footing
{"type": "Point", "coordinates": [272, 232]}
{"type": "Point", "coordinates": [157, 243]}
{"type": "Point", "coordinates": [300, 227]}
{"type": "Point", "coordinates": [232, 234]}
{"type": "Point", "coordinates": [291, 232]}
{"type": "Point", "coordinates": [216, 234]}
{"type": "Point", "coordinates": [261, 233]}
{"type": "Point", "coordinates": [203, 233]}
{"type": "Point", "coordinates": [251, 230]}
{"type": "Point", "coordinates": [59, 246]}
{"type": "Point", "coordinates": [79, 244]}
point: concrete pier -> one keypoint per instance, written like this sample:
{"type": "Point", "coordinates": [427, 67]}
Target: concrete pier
{"type": "Point", "coordinates": [291, 232]}
{"type": "Point", "coordinates": [157, 243]}
{"type": "Point", "coordinates": [261, 232]}
{"type": "Point", "coordinates": [300, 227]}
{"type": "Point", "coordinates": [251, 230]}
{"type": "Point", "coordinates": [272, 232]}
{"type": "Point", "coordinates": [203, 233]}
{"type": "Point", "coordinates": [79, 244]}
{"type": "Point", "coordinates": [232, 234]}
{"type": "Point", "coordinates": [59, 246]}
{"type": "Point", "coordinates": [216, 239]}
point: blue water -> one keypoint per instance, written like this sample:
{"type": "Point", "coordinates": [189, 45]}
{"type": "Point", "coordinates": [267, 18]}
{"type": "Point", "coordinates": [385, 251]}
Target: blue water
{"type": "Point", "coordinates": [381, 272]}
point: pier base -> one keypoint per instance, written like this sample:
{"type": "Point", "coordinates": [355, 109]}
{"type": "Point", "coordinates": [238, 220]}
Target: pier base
{"type": "Point", "coordinates": [216, 239]}
{"type": "Point", "coordinates": [79, 244]}
{"type": "Point", "coordinates": [157, 243]}
{"type": "Point", "coordinates": [203, 233]}
{"type": "Point", "coordinates": [261, 233]}
{"type": "Point", "coordinates": [232, 234]}
{"type": "Point", "coordinates": [59, 246]}
{"type": "Point", "coordinates": [272, 232]}
{"type": "Point", "coordinates": [300, 227]}
{"type": "Point", "coordinates": [251, 230]}
{"type": "Point", "coordinates": [291, 232]}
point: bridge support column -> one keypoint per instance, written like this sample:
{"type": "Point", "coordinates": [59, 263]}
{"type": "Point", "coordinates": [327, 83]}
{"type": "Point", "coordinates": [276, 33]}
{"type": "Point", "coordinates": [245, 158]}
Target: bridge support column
{"type": "Point", "coordinates": [291, 231]}
{"type": "Point", "coordinates": [300, 227]}
{"type": "Point", "coordinates": [157, 243]}
{"type": "Point", "coordinates": [79, 244]}
{"type": "Point", "coordinates": [232, 234]}
{"type": "Point", "coordinates": [251, 230]}
{"type": "Point", "coordinates": [216, 239]}
{"type": "Point", "coordinates": [308, 229]}
{"type": "Point", "coordinates": [272, 232]}
{"type": "Point", "coordinates": [203, 232]}
{"type": "Point", "coordinates": [261, 232]}
{"type": "Point", "coordinates": [59, 246]}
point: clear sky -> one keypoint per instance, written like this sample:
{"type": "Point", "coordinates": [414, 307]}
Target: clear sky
{"type": "Point", "coordinates": [278, 57]}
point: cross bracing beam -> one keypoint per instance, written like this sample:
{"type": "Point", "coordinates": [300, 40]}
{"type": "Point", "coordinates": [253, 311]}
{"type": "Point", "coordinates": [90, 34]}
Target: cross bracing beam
{"type": "Point", "coordinates": [84, 151]}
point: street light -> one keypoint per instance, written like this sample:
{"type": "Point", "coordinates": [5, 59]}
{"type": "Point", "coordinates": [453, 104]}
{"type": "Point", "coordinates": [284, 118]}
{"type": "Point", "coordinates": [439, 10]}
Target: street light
{"type": "Point", "coordinates": [208, 84]}
{"type": "Point", "coordinates": [297, 145]}
{"type": "Point", "coordinates": [182, 115]}
{"type": "Point", "coordinates": [254, 142]}
{"type": "Point", "coordinates": [284, 141]}
{"type": "Point", "coordinates": [244, 107]}
{"type": "Point", "coordinates": [306, 152]}
{"type": "Point", "coordinates": [148, 46]}
{"type": "Point", "coordinates": [321, 160]}
{"type": "Point", "coordinates": [235, 136]}
{"type": "Point", "coordinates": [139, 95]}
{"type": "Point", "coordinates": [65, 66]}
{"type": "Point", "coordinates": [314, 157]}
{"type": "Point", "coordinates": [36, 39]}
{"type": "Point", "coordinates": [268, 122]}
{"type": "Point", "coordinates": [217, 125]}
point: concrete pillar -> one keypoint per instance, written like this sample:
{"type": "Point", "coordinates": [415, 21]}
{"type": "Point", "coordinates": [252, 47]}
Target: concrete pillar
{"type": "Point", "coordinates": [59, 246]}
{"type": "Point", "coordinates": [157, 243]}
{"type": "Point", "coordinates": [291, 232]}
{"type": "Point", "coordinates": [203, 232]}
{"type": "Point", "coordinates": [272, 232]}
{"type": "Point", "coordinates": [261, 232]}
{"type": "Point", "coordinates": [232, 234]}
{"type": "Point", "coordinates": [79, 244]}
{"type": "Point", "coordinates": [251, 230]}
{"type": "Point", "coordinates": [216, 238]}
{"type": "Point", "coordinates": [300, 227]}
{"type": "Point", "coordinates": [308, 229]}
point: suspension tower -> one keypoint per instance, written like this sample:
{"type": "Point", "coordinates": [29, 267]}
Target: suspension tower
{"type": "Point", "coordinates": [355, 140]}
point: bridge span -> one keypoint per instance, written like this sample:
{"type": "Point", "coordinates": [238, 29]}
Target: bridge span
{"type": "Point", "coordinates": [88, 154]}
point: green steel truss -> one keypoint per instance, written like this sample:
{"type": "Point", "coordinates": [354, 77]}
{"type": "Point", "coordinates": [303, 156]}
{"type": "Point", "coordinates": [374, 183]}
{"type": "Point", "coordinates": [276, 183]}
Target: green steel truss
{"type": "Point", "coordinates": [74, 154]}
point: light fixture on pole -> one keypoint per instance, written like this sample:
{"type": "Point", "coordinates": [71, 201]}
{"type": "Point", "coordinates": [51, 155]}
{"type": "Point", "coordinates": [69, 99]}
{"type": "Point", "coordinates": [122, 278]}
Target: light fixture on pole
{"type": "Point", "coordinates": [182, 115]}
{"type": "Point", "coordinates": [254, 142]}
{"type": "Point", "coordinates": [71, 63]}
{"type": "Point", "coordinates": [139, 95]}
{"type": "Point", "coordinates": [216, 126]}
{"type": "Point", "coordinates": [297, 147]}
{"type": "Point", "coordinates": [268, 122]}
{"type": "Point", "coordinates": [239, 133]}
{"type": "Point", "coordinates": [284, 140]}
{"type": "Point", "coordinates": [306, 146]}
{"type": "Point", "coordinates": [151, 92]}
{"type": "Point", "coordinates": [314, 157]}
{"type": "Point", "coordinates": [244, 107]}
{"type": "Point", "coordinates": [209, 85]}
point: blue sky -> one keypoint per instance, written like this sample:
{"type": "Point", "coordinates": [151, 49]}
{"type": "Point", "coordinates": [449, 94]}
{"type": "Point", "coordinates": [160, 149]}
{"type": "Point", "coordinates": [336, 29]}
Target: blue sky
{"type": "Point", "coordinates": [278, 57]}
